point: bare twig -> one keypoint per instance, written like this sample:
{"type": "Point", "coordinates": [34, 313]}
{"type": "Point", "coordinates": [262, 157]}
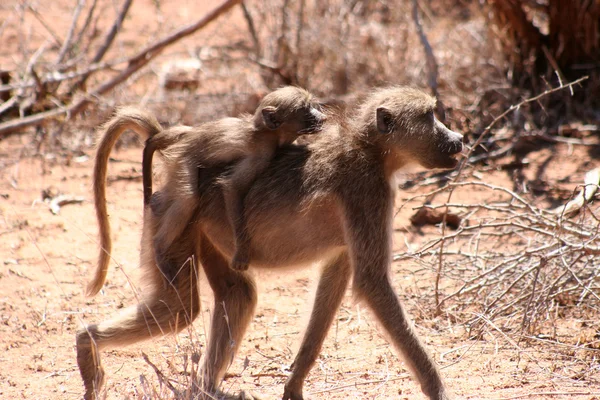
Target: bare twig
{"type": "Point", "coordinates": [110, 37]}
{"type": "Point", "coordinates": [39, 17]}
{"type": "Point", "coordinates": [87, 22]}
{"type": "Point", "coordinates": [8, 104]}
{"type": "Point", "coordinates": [67, 43]}
{"type": "Point", "coordinates": [252, 29]}
{"type": "Point", "coordinates": [521, 104]}
{"type": "Point", "coordinates": [432, 66]}
{"type": "Point", "coordinates": [519, 261]}
{"type": "Point", "coordinates": [161, 377]}
{"type": "Point", "coordinates": [55, 77]}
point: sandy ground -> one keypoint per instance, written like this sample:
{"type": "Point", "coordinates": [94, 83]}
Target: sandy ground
{"type": "Point", "coordinates": [47, 259]}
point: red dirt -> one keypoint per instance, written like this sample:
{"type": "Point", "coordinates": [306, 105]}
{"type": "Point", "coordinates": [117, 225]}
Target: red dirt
{"type": "Point", "coordinates": [47, 260]}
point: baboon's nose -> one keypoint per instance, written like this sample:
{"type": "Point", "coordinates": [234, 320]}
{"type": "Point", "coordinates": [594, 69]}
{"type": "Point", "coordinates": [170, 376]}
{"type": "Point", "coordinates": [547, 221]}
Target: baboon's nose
{"type": "Point", "coordinates": [456, 141]}
{"type": "Point", "coordinates": [317, 115]}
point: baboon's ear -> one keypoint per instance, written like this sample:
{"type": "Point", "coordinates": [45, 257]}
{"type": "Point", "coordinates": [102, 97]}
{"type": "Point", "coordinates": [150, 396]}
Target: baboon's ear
{"type": "Point", "coordinates": [270, 118]}
{"type": "Point", "coordinates": [385, 121]}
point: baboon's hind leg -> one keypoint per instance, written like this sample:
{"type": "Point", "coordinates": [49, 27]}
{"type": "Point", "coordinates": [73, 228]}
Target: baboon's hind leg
{"type": "Point", "coordinates": [169, 311]}
{"type": "Point", "coordinates": [330, 292]}
{"type": "Point", "coordinates": [235, 299]}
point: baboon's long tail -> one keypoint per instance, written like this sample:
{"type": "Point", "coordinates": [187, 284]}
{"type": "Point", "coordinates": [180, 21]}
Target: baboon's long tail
{"type": "Point", "coordinates": [145, 125]}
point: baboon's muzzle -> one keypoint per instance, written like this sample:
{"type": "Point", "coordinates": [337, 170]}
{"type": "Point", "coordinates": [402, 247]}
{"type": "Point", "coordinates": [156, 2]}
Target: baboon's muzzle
{"type": "Point", "coordinates": [451, 144]}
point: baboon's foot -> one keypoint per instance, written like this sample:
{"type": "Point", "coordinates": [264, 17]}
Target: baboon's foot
{"type": "Point", "coordinates": [292, 391]}
{"type": "Point", "coordinates": [240, 262]}
{"type": "Point", "coordinates": [88, 360]}
{"type": "Point", "coordinates": [92, 392]}
{"type": "Point", "coordinates": [435, 391]}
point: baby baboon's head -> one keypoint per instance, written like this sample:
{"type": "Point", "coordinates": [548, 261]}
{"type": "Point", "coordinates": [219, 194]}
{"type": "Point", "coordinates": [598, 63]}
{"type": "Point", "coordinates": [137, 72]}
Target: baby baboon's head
{"type": "Point", "coordinates": [402, 120]}
{"type": "Point", "coordinates": [289, 111]}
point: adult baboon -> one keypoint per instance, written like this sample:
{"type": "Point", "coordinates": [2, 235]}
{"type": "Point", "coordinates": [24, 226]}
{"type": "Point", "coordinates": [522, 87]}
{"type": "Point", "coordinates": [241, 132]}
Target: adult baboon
{"type": "Point", "coordinates": [330, 201]}
{"type": "Point", "coordinates": [250, 140]}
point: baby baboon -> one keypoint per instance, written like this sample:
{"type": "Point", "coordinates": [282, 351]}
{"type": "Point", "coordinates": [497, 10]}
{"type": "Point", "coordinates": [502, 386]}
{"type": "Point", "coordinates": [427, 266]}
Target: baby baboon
{"type": "Point", "coordinates": [250, 141]}
{"type": "Point", "coordinates": [329, 201]}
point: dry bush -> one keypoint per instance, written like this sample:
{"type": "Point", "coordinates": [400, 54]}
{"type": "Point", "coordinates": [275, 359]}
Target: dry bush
{"type": "Point", "coordinates": [331, 47]}
{"type": "Point", "coordinates": [515, 270]}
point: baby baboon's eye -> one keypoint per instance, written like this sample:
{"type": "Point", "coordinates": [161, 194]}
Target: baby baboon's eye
{"type": "Point", "coordinates": [429, 116]}
{"type": "Point", "coordinates": [385, 120]}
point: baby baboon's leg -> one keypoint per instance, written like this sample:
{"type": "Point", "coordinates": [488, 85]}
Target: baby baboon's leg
{"type": "Point", "coordinates": [244, 174]}
{"type": "Point", "coordinates": [235, 300]}
{"type": "Point", "coordinates": [167, 310]}
{"type": "Point", "coordinates": [175, 214]}
{"type": "Point", "coordinates": [377, 291]}
{"type": "Point", "coordinates": [330, 292]}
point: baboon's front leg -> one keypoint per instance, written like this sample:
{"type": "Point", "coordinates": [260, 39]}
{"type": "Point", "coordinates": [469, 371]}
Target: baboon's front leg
{"type": "Point", "coordinates": [330, 292]}
{"type": "Point", "coordinates": [381, 298]}
{"type": "Point", "coordinates": [370, 249]}
{"type": "Point", "coordinates": [235, 300]}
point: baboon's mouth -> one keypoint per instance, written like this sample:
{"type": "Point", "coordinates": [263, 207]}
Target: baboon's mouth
{"type": "Point", "coordinates": [449, 161]}
{"type": "Point", "coordinates": [451, 157]}
{"type": "Point", "coordinates": [315, 128]}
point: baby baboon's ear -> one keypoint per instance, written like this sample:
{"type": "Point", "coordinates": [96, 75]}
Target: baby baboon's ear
{"type": "Point", "coordinates": [385, 121]}
{"type": "Point", "coordinates": [270, 118]}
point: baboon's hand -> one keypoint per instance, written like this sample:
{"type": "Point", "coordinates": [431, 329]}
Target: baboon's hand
{"type": "Point", "coordinates": [240, 262]}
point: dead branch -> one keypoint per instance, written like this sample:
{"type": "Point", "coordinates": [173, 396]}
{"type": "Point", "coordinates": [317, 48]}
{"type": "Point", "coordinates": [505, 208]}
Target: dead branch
{"type": "Point", "coordinates": [512, 259]}
{"type": "Point", "coordinates": [39, 17]}
{"type": "Point", "coordinates": [110, 37]}
{"type": "Point", "coordinates": [87, 22]}
{"type": "Point", "coordinates": [252, 30]}
{"type": "Point", "coordinates": [133, 64]}
{"type": "Point", "coordinates": [516, 107]}
{"type": "Point", "coordinates": [432, 66]}
{"type": "Point", "coordinates": [161, 376]}
{"type": "Point", "coordinates": [55, 77]}
{"type": "Point", "coordinates": [67, 43]}
{"type": "Point", "coordinates": [8, 104]}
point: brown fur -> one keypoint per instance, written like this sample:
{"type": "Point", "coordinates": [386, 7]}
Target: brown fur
{"type": "Point", "coordinates": [329, 201]}
{"type": "Point", "coordinates": [250, 141]}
